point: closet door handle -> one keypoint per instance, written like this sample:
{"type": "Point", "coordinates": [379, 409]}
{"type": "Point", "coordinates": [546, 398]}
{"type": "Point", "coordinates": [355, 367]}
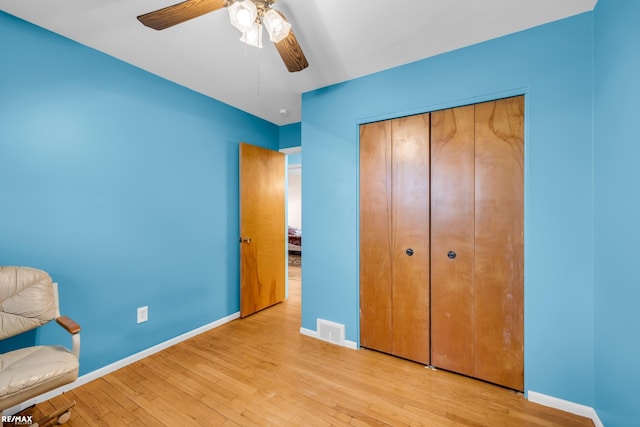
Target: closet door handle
{"type": "Point", "coordinates": [409, 252]}
{"type": "Point", "coordinates": [451, 254]}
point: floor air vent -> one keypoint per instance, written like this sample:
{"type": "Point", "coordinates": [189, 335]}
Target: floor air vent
{"type": "Point", "coordinates": [330, 331]}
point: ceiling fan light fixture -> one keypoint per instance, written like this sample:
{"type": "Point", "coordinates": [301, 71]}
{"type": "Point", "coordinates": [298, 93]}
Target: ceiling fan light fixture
{"type": "Point", "coordinates": [277, 27]}
{"type": "Point", "coordinates": [243, 14]}
{"type": "Point", "coordinates": [253, 36]}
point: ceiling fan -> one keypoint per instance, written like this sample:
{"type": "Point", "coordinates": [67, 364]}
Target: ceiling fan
{"type": "Point", "coordinates": [247, 15]}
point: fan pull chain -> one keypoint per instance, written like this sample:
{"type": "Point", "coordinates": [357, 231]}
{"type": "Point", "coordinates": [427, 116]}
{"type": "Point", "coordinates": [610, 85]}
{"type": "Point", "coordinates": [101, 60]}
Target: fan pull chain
{"type": "Point", "coordinates": [258, 55]}
{"type": "Point", "coordinates": [244, 40]}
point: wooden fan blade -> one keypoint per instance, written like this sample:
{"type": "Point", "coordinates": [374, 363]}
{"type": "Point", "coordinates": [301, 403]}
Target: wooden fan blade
{"type": "Point", "coordinates": [178, 13]}
{"type": "Point", "coordinates": [291, 53]}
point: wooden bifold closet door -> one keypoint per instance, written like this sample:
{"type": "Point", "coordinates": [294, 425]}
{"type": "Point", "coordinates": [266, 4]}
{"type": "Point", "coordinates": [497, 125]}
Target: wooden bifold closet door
{"type": "Point", "coordinates": [477, 241]}
{"type": "Point", "coordinates": [450, 186]}
{"type": "Point", "coordinates": [394, 237]}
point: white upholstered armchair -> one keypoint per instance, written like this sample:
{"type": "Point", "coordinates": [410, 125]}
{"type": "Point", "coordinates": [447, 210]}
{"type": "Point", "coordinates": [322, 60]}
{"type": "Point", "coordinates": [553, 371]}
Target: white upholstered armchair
{"type": "Point", "coordinates": [29, 299]}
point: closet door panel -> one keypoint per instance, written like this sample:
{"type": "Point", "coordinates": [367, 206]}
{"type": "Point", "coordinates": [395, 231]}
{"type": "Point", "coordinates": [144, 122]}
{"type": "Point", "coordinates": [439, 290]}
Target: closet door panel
{"type": "Point", "coordinates": [410, 218]}
{"type": "Point", "coordinates": [499, 240]}
{"type": "Point", "coordinates": [452, 229]}
{"type": "Point", "coordinates": [375, 236]}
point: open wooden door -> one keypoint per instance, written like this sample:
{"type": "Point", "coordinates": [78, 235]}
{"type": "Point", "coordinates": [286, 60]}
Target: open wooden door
{"type": "Point", "coordinates": [262, 228]}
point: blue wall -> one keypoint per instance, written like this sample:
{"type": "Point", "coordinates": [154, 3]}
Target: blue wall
{"type": "Point", "coordinates": [123, 186]}
{"type": "Point", "coordinates": [552, 66]}
{"type": "Point", "coordinates": [290, 135]}
{"type": "Point", "coordinates": [617, 229]}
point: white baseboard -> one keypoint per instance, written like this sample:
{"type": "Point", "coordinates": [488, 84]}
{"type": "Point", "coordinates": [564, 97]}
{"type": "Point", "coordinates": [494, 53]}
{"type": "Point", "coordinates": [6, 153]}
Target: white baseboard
{"type": "Point", "coordinates": [313, 334]}
{"type": "Point", "coordinates": [565, 405]}
{"type": "Point", "coordinates": [84, 379]}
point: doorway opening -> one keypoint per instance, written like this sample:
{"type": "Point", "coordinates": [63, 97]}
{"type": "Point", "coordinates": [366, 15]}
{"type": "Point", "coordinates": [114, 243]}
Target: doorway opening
{"type": "Point", "coordinates": [294, 215]}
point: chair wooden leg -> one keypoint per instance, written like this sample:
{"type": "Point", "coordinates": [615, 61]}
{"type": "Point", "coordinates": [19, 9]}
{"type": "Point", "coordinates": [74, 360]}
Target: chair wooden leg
{"type": "Point", "coordinates": [60, 416]}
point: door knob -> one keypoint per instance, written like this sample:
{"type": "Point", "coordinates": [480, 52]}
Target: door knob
{"type": "Point", "coordinates": [409, 251]}
{"type": "Point", "coordinates": [451, 254]}
{"type": "Point", "coordinates": [245, 240]}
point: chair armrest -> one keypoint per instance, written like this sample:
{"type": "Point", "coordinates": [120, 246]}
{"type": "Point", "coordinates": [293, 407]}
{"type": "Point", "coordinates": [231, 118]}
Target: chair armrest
{"type": "Point", "coordinates": [67, 323]}
{"type": "Point", "coordinates": [74, 329]}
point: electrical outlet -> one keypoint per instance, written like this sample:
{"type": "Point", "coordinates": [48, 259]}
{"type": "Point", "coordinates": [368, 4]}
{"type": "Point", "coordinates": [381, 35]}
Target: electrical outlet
{"type": "Point", "coordinates": [143, 314]}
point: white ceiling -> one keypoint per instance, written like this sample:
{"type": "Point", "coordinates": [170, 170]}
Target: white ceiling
{"type": "Point", "coordinates": [342, 39]}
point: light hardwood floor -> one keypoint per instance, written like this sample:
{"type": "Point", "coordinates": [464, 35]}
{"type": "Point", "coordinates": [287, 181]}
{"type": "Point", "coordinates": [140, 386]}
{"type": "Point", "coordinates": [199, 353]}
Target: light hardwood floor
{"type": "Point", "coordinates": [262, 371]}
